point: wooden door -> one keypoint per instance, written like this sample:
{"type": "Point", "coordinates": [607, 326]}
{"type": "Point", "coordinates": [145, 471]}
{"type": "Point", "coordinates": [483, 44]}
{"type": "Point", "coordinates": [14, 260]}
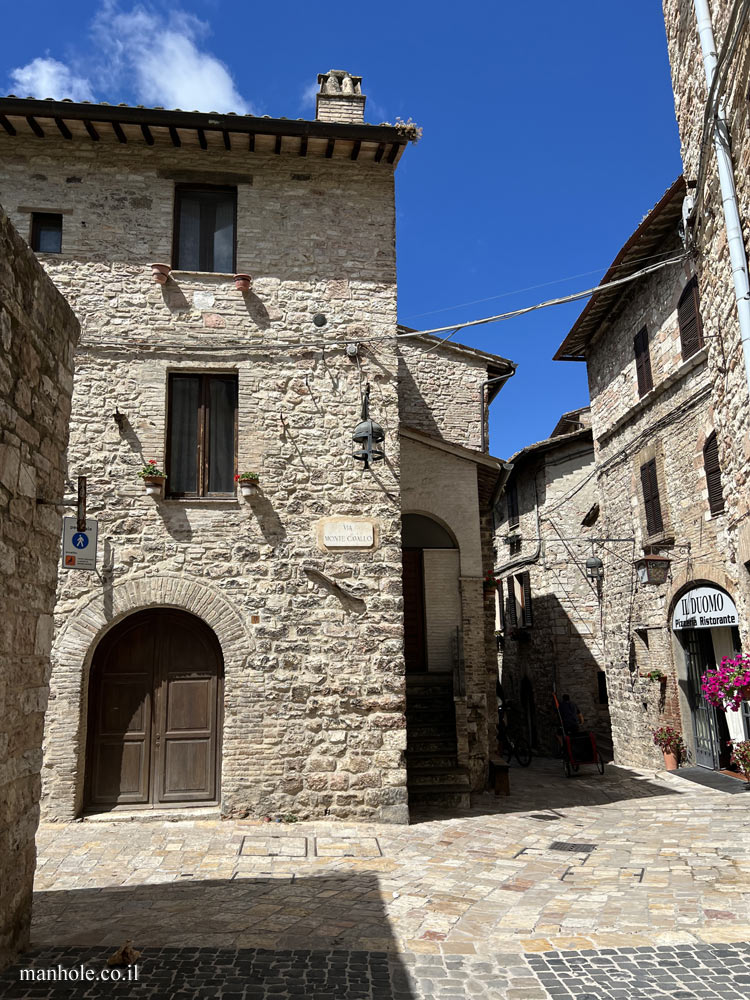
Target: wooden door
{"type": "Point", "coordinates": [154, 712]}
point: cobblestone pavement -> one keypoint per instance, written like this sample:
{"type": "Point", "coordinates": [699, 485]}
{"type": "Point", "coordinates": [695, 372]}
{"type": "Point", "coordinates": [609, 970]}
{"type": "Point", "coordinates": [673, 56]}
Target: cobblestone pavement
{"type": "Point", "coordinates": [559, 890]}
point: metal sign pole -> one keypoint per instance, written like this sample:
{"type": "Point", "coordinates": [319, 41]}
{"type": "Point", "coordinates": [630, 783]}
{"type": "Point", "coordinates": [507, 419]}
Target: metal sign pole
{"type": "Point", "coordinates": [81, 525]}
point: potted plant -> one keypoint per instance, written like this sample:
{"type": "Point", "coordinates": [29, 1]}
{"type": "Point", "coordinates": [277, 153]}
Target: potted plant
{"type": "Point", "coordinates": [248, 482]}
{"type": "Point", "coordinates": [729, 685]}
{"type": "Point", "coordinates": [153, 478]}
{"type": "Point", "coordinates": [741, 756]}
{"type": "Point", "coordinates": [160, 273]}
{"type": "Point", "coordinates": [242, 282]}
{"type": "Point", "coordinates": [655, 676]}
{"type": "Point", "coordinates": [671, 745]}
{"type": "Point", "coordinates": [490, 582]}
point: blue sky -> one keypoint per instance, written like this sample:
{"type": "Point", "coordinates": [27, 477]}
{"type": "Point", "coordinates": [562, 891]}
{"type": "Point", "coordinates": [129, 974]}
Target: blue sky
{"type": "Point", "coordinates": [549, 131]}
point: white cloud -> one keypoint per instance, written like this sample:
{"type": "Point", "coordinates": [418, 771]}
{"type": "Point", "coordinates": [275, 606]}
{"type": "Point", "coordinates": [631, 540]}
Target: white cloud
{"type": "Point", "coordinates": [49, 78]}
{"type": "Point", "coordinates": [162, 61]}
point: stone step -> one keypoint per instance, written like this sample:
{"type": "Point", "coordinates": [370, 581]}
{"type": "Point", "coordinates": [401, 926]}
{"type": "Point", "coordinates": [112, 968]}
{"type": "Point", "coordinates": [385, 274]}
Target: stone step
{"type": "Point", "coordinates": [429, 758]}
{"type": "Point", "coordinates": [421, 777]}
{"type": "Point", "coordinates": [446, 796]}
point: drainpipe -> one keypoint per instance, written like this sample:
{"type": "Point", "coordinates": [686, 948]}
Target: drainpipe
{"type": "Point", "coordinates": [482, 408]}
{"type": "Point", "coordinates": [732, 220]}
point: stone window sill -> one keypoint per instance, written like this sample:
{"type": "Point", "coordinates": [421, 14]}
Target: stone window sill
{"type": "Point", "coordinates": [214, 276]}
{"type": "Point", "coordinates": [221, 502]}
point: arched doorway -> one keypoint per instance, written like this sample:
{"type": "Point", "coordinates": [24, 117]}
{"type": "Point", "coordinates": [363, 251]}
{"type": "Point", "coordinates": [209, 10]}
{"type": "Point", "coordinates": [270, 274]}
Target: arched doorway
{"type": "Point", "coordinates": [154, 712]}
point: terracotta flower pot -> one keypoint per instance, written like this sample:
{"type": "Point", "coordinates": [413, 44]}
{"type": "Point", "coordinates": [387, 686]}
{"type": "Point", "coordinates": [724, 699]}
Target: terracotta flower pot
{"type": "Point", "coordinates": [242, 282]}
{"type": "Point", "coordinates": [248, 487]}
{"type": "Point", "coordinates": [154, 485]}
{"type": "Point", "coordinates": [670, 761]}
{"type": "Point", "coordinates": [160, 273]}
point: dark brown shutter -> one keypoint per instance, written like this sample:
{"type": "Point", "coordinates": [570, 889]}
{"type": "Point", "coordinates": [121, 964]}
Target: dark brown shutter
{"type": "Point", "coordinates": [512, 616]}
{"type": "Point", "coordinates": [713, 475]}
{"type": "Point", "coordinates": [526, 587]}
{"type": "Point", "coordinates": [642, 362]}
{"type": "Point", "coordinates": [512, 505]}
{"type": "Point", "coordinates": [650, 485]}
{"type": "Point", "coordinates": [689, 320]}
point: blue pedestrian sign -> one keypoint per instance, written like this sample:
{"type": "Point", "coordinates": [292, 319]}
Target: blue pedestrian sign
{"type": "Point", "coordinates": [79, 547]}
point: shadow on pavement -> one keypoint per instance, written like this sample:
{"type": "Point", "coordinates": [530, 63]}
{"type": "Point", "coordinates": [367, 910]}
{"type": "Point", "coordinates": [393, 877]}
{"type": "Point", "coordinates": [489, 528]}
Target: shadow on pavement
{"type": "Point", "coordinates": [543, 786]}
{"type": "Point", "coordinates": [252, 937]}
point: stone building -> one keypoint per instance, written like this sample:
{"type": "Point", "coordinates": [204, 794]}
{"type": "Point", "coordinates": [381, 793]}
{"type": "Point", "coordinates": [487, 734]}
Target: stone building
{"type": "Point", "coordinates": [38, 332]}
{"type": "Point", "coordinates": [249, 653]}
{"type": "Point", "coordinates": [548, 609]}
{"type": "Point", "coordinates": [662, 490]}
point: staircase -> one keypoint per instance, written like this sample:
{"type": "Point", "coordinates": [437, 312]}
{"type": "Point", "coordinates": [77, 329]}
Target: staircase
{"type": "Point", "coordinates": [433, 775]}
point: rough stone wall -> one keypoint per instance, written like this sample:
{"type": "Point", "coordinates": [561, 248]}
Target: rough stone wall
{"type": "Point", "coordinates": [38, 333]}
{"type": "Point", "coordinates": [314, 691]}
{"type": "Point", "coordinates": [671, 424]}
{"type": "Point", "coordinates": [563, 650]}
{"type": "Point", "coordinates": [721, 328]}
{"type": "Point", "coordinates": [439, 392]}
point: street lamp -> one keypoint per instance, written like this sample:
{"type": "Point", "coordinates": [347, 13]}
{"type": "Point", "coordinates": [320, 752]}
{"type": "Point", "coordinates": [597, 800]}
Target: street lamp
{"type": "Point", "coordinates": [594, 568]}
{"type": "Point", "coordinates": [652, 569]}
{"type": "Point", "coordinates": [368, 433]}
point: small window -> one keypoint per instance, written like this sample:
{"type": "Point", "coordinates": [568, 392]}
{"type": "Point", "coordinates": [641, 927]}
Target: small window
{"type": "Point", "coordinates": [519, 601]}
{"type": "Point", "coordinates": [46, 232]}
{"type": "Point", "coordinates": [514, 544]}
{"type": "Point", "coordinates": [689, 320]}
{"type": "Point", "coordinates": [651, 502]}
{"type": "Point", "coordinates": [713, 475]}
{"type": "Point", "coordinates": [205, 220]}
{"type": "Point", "coordinates": [201, 435]}
{"type": "Point", "coordinates": [512, 505]}
{"type": "Point", "coordinates": [643, 362]}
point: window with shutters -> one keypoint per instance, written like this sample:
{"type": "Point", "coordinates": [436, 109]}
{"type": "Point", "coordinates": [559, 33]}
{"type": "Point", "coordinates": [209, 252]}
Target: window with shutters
{"type": "Point", "coordinates": [643, 362]}
{"type": "Point", "coordinates": [713, 475]}
{"type": "Point", "coordinates": [204, 228]}
{"type": "Point", "coordinates": [651, 501]}
{"type": "Point", "coordinates": [519, 601]}
{"type": "Point", "coordinates": [201, 435]}
{"type": "Point", "coordinates": [512, 505]}
{"type": "Point", "coordinates": [689, 320]}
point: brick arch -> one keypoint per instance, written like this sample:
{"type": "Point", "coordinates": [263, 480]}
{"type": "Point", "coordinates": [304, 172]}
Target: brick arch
{"type": "Point", "coordinates": [73, 652]}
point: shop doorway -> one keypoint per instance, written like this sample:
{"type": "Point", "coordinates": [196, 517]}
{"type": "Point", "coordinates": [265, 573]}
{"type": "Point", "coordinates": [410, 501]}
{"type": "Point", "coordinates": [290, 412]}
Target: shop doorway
{"type": "Point", "coordinates": [154, 713]}
{"type": "Point", "coordinates": [707, 721]}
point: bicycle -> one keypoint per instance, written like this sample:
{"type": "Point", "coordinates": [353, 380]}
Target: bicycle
{"type": "Point", "coordinates": [512, 746]}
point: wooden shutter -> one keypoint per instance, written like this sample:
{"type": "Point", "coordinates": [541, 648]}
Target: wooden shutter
{"type": "Point", "coordinates": [689, 320]}
{"type": "Point", "coordinates": [652, 506]}
{"type": "Point", "coordinates": [512, 615]}
{"type": "Point", "coordinates": [642, 362]}
{"type": "Point", "coordinates": [526, 618]}
{"type": "Point", "coordinates": [512, 505]}
{"type": "Point", "coordinates": [713, 475]}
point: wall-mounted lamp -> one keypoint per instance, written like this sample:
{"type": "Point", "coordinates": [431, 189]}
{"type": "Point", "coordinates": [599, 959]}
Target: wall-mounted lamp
{"type": "Point", "coordinates": [594, 568]}
{"type": "Point", "coordinates": [652, 569]}
{"type": "Point", "coordinates": [367, 433]}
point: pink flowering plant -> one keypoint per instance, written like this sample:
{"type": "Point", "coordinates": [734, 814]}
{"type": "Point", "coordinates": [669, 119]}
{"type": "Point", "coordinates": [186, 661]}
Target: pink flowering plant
{"type": "Point", "coordinates": [741, 756]}
{"type": "Point", "coordinates": [668, 740]}
{"type": "Point", "coordinates": [729, 685]}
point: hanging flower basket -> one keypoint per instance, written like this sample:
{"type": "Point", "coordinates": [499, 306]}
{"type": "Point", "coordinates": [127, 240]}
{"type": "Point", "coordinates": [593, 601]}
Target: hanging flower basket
{"type": "Point", "coordinates": [490, 583]}
{"type": "Point", "coordinates": [153, 478]}
{"type": "Point", "coordinates": [248, 483]}
{"type": "Point", "coordinates": [729, 685]}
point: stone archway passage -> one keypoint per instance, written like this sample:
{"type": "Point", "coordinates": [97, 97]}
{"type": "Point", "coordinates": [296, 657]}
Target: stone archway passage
{"type": "Point", "coordinates": [154, 712]}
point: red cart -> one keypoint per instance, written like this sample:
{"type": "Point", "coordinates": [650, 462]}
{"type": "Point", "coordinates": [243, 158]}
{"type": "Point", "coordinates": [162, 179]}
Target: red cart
{"type": "Point", "coordinates": [578, 748]}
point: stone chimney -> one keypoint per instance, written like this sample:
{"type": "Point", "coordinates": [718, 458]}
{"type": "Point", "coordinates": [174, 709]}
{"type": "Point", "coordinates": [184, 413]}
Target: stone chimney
{"type": "Point", "coordinates": [340, 98]}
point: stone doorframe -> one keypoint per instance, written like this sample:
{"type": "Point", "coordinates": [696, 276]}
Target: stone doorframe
{"type": "Point", "coordinates": [75, 642]}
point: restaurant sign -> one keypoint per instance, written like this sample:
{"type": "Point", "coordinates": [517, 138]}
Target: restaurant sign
{"type": "Point", "coordinates": [704, 607]}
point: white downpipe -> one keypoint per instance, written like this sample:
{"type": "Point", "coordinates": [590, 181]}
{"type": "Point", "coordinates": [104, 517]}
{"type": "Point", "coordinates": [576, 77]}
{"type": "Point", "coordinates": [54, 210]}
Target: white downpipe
{"type": "Point", "coordinates": [726, 182]}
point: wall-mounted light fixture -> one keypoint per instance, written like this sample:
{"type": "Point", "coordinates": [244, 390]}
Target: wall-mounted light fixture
{"type": "Point", "coordinates": [367, 433]}
{"type": "Point", "coordinates": [652, 569]}
{"type": "Point", "coordinates": [594, 568]}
